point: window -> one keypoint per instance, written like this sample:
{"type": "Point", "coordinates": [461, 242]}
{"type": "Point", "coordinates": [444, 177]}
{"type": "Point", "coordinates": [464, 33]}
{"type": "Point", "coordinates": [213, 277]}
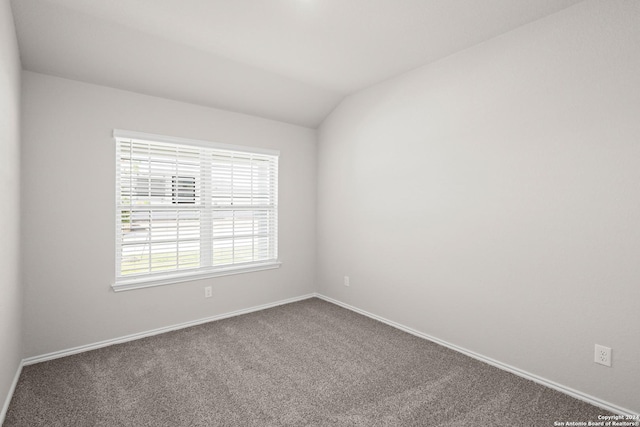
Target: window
{"type": "Point", "coordinates": [191, 209]}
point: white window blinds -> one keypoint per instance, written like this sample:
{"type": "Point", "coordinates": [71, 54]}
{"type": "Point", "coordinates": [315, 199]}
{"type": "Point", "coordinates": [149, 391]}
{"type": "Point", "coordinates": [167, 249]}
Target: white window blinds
{"type": "Point", "coordinates": [191, 208]}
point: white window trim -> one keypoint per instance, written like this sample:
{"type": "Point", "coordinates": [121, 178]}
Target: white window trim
{"type": "Point", "coordinates": [129, 134]}
{"type": "Point", "coordinates": [169, 279]}
{"type": "Point", "coordinates": [161, 279]}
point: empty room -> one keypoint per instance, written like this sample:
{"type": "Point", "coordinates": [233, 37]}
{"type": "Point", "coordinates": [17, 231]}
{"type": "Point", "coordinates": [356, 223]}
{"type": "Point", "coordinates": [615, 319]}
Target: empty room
{"type": "Point", "coordinates": [320, 213]}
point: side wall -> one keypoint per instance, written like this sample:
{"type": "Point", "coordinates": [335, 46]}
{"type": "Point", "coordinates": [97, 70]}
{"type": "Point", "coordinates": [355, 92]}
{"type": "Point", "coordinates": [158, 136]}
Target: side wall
{"type": "Point", "coordinates": [492, 199]}
{"type": "Point", "coordinates": [69, 214]}
{"type": "Point", "coordinates": [10, 289]}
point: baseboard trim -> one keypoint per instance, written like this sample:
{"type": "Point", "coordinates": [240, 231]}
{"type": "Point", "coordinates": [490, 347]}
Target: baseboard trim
{"type": "Point", "coordinates": [137, 336]}
{"type": "Point", "coordinates": [12, 389]}
{"type": "Point", "coordinates": [505, 367]}
{"type": "Point", "coordinates": [516, 371]}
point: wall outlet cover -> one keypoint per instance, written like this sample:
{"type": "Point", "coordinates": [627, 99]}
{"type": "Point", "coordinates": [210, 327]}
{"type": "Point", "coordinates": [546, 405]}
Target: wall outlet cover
{"type": "Point", "coordinates": [602, 355]}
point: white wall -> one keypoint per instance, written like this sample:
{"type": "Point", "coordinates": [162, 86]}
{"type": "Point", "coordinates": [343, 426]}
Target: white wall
{"type": "Point", "coordinates": [68, 213]}
{"type": "Point", "coordinates": [10, 290]}
{"type": "Point", "coordinates": [492, 199]}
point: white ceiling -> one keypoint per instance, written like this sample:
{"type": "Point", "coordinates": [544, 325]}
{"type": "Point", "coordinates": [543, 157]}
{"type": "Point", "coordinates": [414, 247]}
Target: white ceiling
{"type": "Point", "coordinates": [288, 60]}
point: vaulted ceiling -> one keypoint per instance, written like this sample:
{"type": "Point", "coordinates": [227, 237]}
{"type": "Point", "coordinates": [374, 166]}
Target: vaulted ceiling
{"type": "Point", "coordinates": [288, 60]}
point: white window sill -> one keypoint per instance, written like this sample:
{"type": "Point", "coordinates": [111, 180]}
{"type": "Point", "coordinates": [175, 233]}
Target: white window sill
{"type": "Point", "coordinates": [168, 279]}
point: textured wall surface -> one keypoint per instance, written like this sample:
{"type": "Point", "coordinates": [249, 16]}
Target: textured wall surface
{"type": "Point", "coordinates": [10, 290]}
{"type": "Point", "coordinates": [492, 199]}
{"type": "Point", "coordinates": [69, 214]}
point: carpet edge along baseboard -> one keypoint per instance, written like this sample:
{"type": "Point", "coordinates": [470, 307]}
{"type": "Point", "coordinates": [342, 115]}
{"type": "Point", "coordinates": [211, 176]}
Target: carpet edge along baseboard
{"type": "Point", "coordinates": [516, 371]}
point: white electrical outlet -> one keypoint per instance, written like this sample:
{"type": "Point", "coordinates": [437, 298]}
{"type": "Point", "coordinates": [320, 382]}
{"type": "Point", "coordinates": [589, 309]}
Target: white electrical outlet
{"type": "Point", "coordinates": [207, 292]}
{"type": "Point", "coordinates": [346, 280]}
{"type": "Point", "coordinates": [603, 355]}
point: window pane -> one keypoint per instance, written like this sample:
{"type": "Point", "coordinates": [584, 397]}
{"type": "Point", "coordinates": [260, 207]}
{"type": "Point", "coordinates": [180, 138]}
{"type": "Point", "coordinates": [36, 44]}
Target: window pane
{"type": "Point", "coordinates": [222, 252]}
{"type": "Point", "coordinates": [183, 207]}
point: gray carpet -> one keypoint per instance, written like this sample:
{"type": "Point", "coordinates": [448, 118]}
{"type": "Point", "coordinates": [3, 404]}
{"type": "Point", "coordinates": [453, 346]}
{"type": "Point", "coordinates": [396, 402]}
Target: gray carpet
{"type": "Point", "coordinates": [306, 363]}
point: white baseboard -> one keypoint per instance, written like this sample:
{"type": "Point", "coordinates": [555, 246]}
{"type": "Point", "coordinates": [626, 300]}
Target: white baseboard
{"type": "Point", "coordinates": [519, 372]}
{"type": "Point", "coordinates": [7, 401]}
{"type": "Point", "coordinates": [137, 336]}
{"type": "Point", "coordinates": [529, 376]}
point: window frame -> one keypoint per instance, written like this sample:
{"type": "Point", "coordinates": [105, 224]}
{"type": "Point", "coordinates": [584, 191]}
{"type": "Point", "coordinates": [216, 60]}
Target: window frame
{"type": "Point", "coordinates": [150, 279]}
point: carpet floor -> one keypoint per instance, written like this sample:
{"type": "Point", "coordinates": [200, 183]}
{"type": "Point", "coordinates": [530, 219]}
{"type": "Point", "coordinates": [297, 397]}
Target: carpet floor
{"type": "Point", "coordinates": [309, 363]}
